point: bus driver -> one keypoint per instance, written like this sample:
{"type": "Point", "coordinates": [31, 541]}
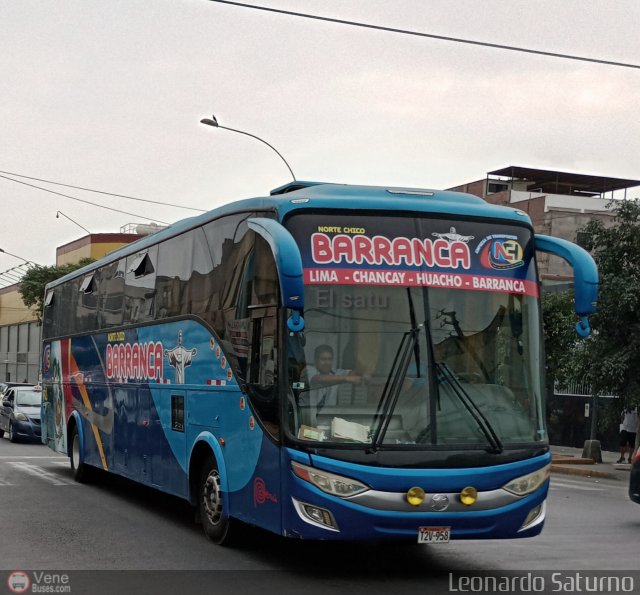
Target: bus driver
{"type": "Point", "coordinates": [324, 380]}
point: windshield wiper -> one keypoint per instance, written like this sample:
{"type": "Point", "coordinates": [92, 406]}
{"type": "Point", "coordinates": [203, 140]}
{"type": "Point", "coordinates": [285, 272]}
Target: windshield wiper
{"type": "Point", "coordinates": [393, 386]}
{"type": "Point", "coordinates": [480, 418]}
{"type": "Point", "coordinates": [414, 325]}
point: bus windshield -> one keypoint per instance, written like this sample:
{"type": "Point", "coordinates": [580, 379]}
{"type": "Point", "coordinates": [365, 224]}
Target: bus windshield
{"type": "Point", "coordinates": [420, 333]}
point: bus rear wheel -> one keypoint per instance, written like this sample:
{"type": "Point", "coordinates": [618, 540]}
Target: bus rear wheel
{"type": "Point", "coordinates": [210, 504]}
{"type": "Point", "coordinates": [79, 469]}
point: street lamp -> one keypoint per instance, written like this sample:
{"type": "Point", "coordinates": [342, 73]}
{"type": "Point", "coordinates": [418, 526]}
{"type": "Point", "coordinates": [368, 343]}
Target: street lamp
{"type": "Point", "coordinates": [58, 213]}
{"type": "Point", "coordinates": [29, 262]}
{"type": "Point", "coordinates": [214, 122]}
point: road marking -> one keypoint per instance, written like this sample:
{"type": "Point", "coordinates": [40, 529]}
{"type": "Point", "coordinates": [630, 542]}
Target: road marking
{"type": "Point", "coordinates": [41, 473]}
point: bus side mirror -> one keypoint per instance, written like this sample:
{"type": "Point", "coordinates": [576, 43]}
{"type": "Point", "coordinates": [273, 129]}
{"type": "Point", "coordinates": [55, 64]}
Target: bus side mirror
{"type": "Point", "coordinates": [585, 274]}
{"type": "Point", "coordinates": [295, 322]}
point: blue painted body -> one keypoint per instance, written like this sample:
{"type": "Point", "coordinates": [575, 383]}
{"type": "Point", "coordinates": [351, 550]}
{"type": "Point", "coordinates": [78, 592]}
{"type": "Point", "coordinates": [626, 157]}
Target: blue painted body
{"type": "Point", "coordinates": [126, 425]}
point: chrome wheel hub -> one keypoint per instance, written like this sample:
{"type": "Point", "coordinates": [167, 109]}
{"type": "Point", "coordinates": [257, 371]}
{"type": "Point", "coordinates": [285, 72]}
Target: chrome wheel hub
{"type": "Point", "coordinates": [212, 497]}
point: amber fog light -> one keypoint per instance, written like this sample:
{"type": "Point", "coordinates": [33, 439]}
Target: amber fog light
{"type": "Point", "coordinates": [469, 496]}
{"type": "Point", "coordinates": [415, 496]}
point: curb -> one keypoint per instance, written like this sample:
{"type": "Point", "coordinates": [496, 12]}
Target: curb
{"type": "Point", "coordinates": [560, 460]}
{"type": "Point", "coordinates": [580, 471]}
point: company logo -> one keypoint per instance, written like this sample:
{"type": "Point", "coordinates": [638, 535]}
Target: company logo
{"type": "Point", "coordinates": [500, 252]}
{"type": "Point", "coordinates": [453, 236]}
{"type": "Point", "coordinates": [18, 581]}
{"type": "Point", "coordinates": [449, 250]}
{"type": "Point", "coordinates": [137, 361]}
{"type": "Point", "coordinates": [261, 494]}
{"type": "Point", "coordinates": [180, 358]}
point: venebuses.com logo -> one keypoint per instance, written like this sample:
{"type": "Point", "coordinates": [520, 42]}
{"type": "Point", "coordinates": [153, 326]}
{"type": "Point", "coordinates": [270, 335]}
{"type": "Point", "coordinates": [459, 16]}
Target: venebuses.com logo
{"type": "Point", "coordinates": [18, 581]}
{"type": "Point", "coordinates": [40, 581]}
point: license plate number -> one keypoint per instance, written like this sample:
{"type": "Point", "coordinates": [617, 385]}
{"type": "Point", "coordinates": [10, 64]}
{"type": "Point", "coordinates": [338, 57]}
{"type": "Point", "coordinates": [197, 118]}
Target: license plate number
{"type": "Point", "coordinates": [434, 535]}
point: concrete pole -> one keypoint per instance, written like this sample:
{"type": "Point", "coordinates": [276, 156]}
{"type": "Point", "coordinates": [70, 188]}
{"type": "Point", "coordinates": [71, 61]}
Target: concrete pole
{"type": "Point", "coordinates": [592, 448]}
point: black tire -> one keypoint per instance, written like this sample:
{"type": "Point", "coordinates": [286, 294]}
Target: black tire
{"type": "Point", "coordinates": [215, 523]}
{"type": "Point", "coordinates": [79, 469]}
{"type": "Point", "coordinates": [12, 434]}
{"type": "Point", "coordinates": [1, 433]}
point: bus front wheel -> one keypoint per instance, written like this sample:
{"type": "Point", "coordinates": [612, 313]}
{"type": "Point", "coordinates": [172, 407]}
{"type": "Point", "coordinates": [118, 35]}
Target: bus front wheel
{"type": "Point", "coordinates": [210, 504]}
{"type": "Point", "coordinates": [78, 467]}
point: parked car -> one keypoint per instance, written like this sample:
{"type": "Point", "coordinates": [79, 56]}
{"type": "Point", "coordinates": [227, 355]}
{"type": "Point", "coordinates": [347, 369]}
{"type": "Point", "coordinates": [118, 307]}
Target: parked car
{"type": "Point", "coordinates": [634, 480]}
{"type": "Point", "coordinates": [20, 413]}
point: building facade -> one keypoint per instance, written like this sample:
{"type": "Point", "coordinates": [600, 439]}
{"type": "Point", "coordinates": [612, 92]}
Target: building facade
{"type": "Point", "coordinates": [559, 204]}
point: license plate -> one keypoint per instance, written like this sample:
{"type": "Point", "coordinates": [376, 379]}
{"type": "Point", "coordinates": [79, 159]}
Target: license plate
{"type": "Point", "coordinates": [434, 535]}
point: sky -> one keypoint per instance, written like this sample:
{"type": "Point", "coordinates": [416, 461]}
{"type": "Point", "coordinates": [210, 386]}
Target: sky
{"type": "Point", "coordinates": [109, 96]}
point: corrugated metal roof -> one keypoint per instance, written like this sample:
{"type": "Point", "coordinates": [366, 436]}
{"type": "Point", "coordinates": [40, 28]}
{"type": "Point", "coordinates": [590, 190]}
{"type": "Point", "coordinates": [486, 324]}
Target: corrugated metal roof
{"type": "Point", "coordinates": [559, 182]}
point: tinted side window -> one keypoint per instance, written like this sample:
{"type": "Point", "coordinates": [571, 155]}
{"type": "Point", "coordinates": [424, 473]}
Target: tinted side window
{"type": "Point", "coordinates": [66, 306]}
{"type": "Point", "coordinates": [49, 322]}
{"type": "Point", "coordinates": [110, 290]}
{"type": "Point", "coordinates": [183, 281]}
{"type": "Point", "coordinates": [230, 243]}
{"type": "Point", "coordinates": [86, 311]}
{"type": "Point", "coordinates": [140, 280]}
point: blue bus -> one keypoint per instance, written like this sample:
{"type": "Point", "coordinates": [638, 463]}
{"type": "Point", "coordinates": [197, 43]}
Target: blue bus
{"type": "Point", "coordinates": [328, 362]}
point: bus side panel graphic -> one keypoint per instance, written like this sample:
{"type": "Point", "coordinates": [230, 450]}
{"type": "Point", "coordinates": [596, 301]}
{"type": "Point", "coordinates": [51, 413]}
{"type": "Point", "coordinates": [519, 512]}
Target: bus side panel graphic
{"type": "Point", "coordinates": [117, 382]}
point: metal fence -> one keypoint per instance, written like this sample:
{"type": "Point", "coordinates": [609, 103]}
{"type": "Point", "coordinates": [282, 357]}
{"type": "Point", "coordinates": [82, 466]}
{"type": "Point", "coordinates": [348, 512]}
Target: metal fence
{"type": "Point", "coordinates": [576, 389]}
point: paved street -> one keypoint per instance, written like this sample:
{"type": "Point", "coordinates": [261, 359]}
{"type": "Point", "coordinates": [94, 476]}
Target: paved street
{"type": "Point", "coordinates": [50, 522]}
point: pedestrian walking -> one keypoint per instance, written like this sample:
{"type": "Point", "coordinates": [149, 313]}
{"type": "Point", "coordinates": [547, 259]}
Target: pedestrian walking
{"type": "Point", "coordinates": [628, 426]}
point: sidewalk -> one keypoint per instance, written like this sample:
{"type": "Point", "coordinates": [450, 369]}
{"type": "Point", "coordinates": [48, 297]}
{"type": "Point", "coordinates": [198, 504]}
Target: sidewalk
{"type": "Point", "coordinates": [569, 461]}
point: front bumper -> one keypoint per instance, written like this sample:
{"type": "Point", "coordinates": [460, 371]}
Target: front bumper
{"type": "Point", "coordinates": [27, 430]}
{"type": "Point", "coordinates": [383, 514]}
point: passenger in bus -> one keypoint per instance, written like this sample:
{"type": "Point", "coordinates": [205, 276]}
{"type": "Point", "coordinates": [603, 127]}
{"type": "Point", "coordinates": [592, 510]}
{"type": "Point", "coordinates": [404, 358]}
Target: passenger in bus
{"type": "Point", "coordinates": [323, 380]}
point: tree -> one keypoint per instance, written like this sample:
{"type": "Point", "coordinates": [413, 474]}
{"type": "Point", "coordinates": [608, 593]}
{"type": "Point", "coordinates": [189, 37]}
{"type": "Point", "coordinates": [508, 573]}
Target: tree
{"type": "Point", "coordinates": [32, 284]}
{"type": "Point", "coordinates": [612, 353]}
{"type": "Point", "coordinates": [561, 342]}
{"type": "Point", "coordinates": [608, 359]}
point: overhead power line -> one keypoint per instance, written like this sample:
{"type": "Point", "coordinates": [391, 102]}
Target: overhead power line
{"type": "Point", "coordinates": [429, 35]}
{"type": "Point", "coordinates": [80, 199]}
{"type": "Point", "coordinates": [155, 202]}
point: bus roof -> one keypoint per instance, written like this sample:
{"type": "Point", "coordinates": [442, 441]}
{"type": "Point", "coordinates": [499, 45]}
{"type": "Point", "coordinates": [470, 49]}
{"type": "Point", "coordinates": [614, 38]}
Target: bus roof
{"type": "Point", "coordinates": [300, 195]}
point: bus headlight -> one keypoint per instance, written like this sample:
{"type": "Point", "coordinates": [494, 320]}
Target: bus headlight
{"type": "Point", "coordinates": [337, 485]}
{"type": "Point", "coordinates": [521, 486]}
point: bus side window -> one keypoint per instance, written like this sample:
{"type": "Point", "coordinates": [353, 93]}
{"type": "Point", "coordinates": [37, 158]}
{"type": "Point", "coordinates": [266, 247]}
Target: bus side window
{"type": "Point", "coordinates": [139, 300]}
{"type": "Point", "coordinates": [111, 294]}
{"type": "Point", "coordinates": [262, 286]}
{"type": "Point", "coordinates": [184, 265]}
{"type": "Point", "coordinates": [263, 312]}
{"type": "Point", "coordinates": [263, 348]}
